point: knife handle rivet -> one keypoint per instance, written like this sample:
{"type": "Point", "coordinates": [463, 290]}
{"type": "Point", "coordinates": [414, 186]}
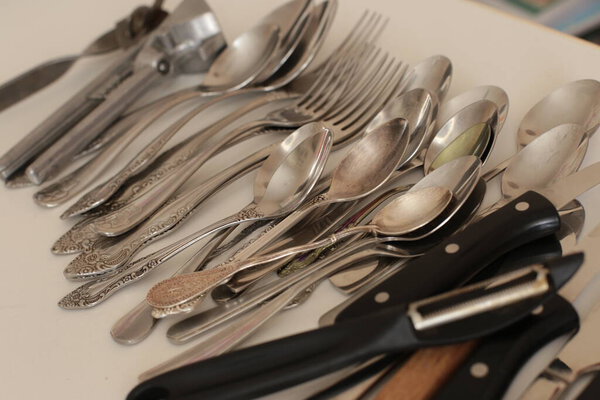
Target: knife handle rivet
{"type": "Point", "coordinates": [382, 297]}
{"type": "Point", "coordinates": [479, 370]}
{"type": "Point", "coordinates": [452, 248]}
{"type": "Point", "coordinates": [538, 310]}
{"type": "Point", "coordinates": [522, 206]}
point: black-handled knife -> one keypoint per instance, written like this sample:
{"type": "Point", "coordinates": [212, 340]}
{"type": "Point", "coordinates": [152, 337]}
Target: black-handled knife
{"type": "Point", "coordinates": [503, 353]}
{"type": "Point", "coordinates": [538, 251]}
{"type": "Point", "coordinates": [464, 314]}
{"type": "Point", "coordinates": [575, 359]}
{"type": "Point", "coordinates": [528, 217]}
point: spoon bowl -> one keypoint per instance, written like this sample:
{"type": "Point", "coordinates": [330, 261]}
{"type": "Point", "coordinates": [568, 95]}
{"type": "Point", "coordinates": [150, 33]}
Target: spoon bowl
{"type": "Point", "coordinates": [412, 211]}
{"type": "Point", "coordinates": [433, 74]}
{"type": "Point", "coordinates": [470, 131]}
{"type": "Point", "coordinates": [577, 102]}
{"type": "Point", "coordinates": [242, 61]}
{"type": "Point", "coordinates": [369, 162]}
{"type": "Point", "coordinates": [544, 160]}
{"type": "Point", "coordinates": [492, 93]}
{"type": "Point", "coordinates": [418, 108]}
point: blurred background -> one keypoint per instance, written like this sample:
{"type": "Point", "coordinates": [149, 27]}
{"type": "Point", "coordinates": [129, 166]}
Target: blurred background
{"type": "Point", "coordinates": [576, 17]}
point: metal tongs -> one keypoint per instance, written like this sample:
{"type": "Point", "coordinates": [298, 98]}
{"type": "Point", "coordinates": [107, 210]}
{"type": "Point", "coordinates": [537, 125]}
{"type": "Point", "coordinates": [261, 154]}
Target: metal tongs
{"type": "Point", "coordinates": [185, 42]}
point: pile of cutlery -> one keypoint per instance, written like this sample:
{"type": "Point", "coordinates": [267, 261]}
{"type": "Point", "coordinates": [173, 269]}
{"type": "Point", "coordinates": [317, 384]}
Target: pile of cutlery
{"type": "Point", "coordinates": [429, 274]}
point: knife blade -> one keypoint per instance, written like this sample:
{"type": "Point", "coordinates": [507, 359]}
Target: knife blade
{"type": "Point", "coordinates": [532, 215]}
{"type": "Point", "coordinates": [460, 315]}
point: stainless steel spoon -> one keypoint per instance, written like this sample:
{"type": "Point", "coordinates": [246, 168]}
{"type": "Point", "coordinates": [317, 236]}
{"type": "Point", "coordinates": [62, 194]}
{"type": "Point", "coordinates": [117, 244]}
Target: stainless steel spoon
{"type": "Point", "coordinates": [576, 102]}
{"type": "Point", "coordinates": [228, 336]}
{"type": "Point", "coordinates": [413, 211]}
{"type": "Point", "coordinates": [282, 184]}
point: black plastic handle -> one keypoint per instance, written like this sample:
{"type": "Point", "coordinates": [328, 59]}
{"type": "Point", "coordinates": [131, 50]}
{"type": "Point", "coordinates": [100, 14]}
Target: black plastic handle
{"type": "Point", "coordinates": [266, 368]}
{"type": "Point", "coordinates": [276, 365]}
{"type": "Point", "coordinates": [504, 352]}
{"type": "Point", "coordinates": [529, 217]}
{"type": "Point", "coordinates": [538, 251]}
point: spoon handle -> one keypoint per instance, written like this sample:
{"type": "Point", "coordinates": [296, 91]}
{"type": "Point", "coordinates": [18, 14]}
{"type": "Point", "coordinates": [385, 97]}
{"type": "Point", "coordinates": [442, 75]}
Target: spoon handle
{"type": "Point", "coordinates": [123, 220]}
{"type": "Point", "coordinates": [184, 289]}
{"type": "Point", "coordinates": [124, 250]}
{"type": "Point", "coordinates": [198, 324]}
{"type": "Point", "coordinates": [498, 169]}
{"type": "Point", "coordinates": [102, 192]}
{"type": "Point", "coordinates": [165, 221]}
{"type": "Point", "coordinates": [229, 336]}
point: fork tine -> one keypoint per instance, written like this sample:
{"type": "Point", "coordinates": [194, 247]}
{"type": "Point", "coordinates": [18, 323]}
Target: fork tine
{"type": "Point", "coordinates": [343, 53]}
{"type": "Point", "coordinates": [330, 84]}
{"type": "Point", "coordinates": [348, 79]}
{"type": "Point", "coordinates": [390, 91]}
{"type": "Point", "coordinates": [366, 24]}
{"type": "Point", "coordinates": [367, 77]}
{"type": "Point", "coordinates": [370, 93]}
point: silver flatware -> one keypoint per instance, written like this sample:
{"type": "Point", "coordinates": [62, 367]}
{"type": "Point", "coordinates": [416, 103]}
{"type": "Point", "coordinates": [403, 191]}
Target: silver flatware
{"type": "Point", "coordinates": [556, 109]}
{"type": "Point", "coordinates": [345, 128]}
{"type": "Point", "coordinates": [126, 33]}
{"type": "Point", "coordinates": [463, 174]}
{"type": "Point", "coordinates": [97, 105]}
{"type": "Point", "coordinates": [314, 105]}
{"type": "Point", "coordinates": [66, 187]}
{"type": "Point", "coordinates": [549, 157]}
{"type": "Point", "coordinates": [319, 20]}
{"type": "Point", "coordinates": [393, 221]}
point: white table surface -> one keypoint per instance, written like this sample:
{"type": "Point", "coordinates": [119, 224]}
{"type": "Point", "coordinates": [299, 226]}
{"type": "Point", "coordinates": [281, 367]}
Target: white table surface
{"type": "Point", "coordinates": [55, 354]}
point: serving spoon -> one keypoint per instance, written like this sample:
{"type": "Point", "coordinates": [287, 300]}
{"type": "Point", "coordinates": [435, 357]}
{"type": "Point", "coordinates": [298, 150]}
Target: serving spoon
{"type": "Point", "coordinates": [396, 219]}
{"type": "Point", "coordinates": [282, 183]}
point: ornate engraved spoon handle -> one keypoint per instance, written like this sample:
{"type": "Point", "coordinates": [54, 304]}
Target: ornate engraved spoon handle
{"type": "Point", "coordinates": [124, 219]}
{"type": "Point", "coordinates": [94, 265]}
{"type": "Point", "coordinates": [98, 262]}
{"type": "Point", "coordinates": [148, 154]}
{"type": "Point", "coordinates": [93, 293]}
{"type": "Point", "coordinates": [185, 288]}
{"type": "Point", "coordinates": [66, 188]}
{"type": "Point", "coordinates": [195, 325]}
